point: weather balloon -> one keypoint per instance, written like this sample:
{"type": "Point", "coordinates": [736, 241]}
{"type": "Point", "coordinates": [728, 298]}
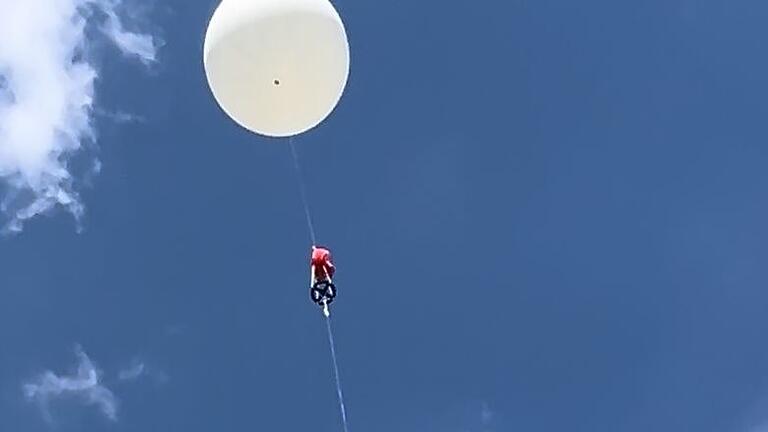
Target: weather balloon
{"type": "Point", "coordinates": [276, 67]}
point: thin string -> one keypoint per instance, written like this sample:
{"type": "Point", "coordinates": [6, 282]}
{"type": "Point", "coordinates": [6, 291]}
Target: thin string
{"type": "Point", "coordinates": [336, 374]}
{"type": "Point", "coordinates": [310, 225]}
{"type": "Point", "coordinates": [303, 191]}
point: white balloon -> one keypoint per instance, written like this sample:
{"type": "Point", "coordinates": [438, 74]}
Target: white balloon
{"type": "Point", "coordinates": [277, 67]}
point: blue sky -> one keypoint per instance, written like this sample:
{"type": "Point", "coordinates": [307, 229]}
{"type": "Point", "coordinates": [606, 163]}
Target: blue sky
{"type": "Point", "coordinates": [545, 215]}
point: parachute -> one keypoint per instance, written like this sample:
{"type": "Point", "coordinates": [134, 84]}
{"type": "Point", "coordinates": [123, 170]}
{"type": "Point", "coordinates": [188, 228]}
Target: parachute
{"type": "Point", "coordinates": [276, 67]}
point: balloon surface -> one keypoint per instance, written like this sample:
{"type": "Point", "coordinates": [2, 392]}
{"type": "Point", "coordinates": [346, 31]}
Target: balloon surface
{"type": "Point", "coordinates": [277, 67]}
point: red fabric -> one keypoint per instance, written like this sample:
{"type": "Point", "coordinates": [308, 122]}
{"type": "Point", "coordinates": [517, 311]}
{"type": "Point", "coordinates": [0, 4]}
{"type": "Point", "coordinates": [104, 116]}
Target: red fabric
{"type": "Point", "coordinates": [322, 262]}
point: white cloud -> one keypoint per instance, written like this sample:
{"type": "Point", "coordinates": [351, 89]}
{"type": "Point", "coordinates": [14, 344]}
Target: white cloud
{"type": "Point", "coordinates": [139, 369]}
{"type": "Point", "coordinates": [142, 46]}
{"type": "Point", "coordinates": [486, 415]}
{"type": "Point", "coordinates": [119, 117]}
{"type": "Point", "coordinates": [132, 372]}
{"type": "Point", "coordinates": [84, 385]}
{"type": "Point", "coordinates": [47, 95]}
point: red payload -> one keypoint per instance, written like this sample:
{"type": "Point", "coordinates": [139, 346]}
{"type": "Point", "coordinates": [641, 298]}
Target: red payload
{"type": "Point", "coordinates": [322, 264]}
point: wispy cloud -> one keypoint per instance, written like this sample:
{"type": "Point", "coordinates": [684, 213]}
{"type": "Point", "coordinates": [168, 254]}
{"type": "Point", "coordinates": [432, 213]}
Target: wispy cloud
{"type": "Point", "coordinates": [139, 369]}
{"type": "Point", "coordinates": [132, 372]}
{"type": "Point", "coordinates": [47, 85]}
{"type": "Point", "coordinates": [119, 117]}
{"type": "Point", "coordinates": [141, 46]}
{"type": "Point", "coordinates": [486, 415]}
{"type": "Point", "coordinates": [83, 385]}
